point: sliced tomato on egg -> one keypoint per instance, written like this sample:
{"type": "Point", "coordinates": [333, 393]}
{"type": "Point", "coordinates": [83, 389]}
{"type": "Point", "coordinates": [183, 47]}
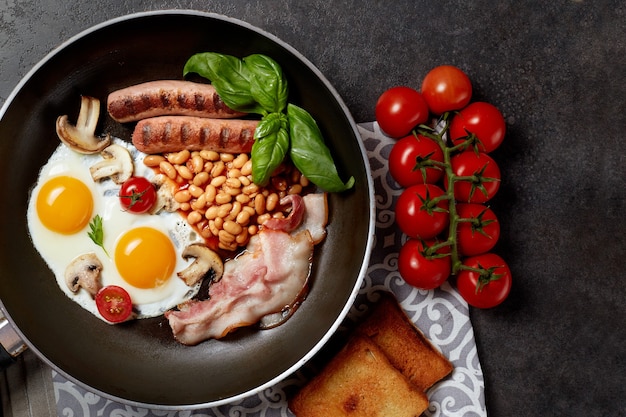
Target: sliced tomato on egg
{"type": "Point", "coordinates": [114, 303]}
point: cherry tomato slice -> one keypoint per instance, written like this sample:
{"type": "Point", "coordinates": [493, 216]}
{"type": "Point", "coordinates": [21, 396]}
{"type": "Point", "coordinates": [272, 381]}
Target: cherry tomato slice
{"type": "Point", "coordinates": [399, 110]}
{"type": "Point", "coordinates": [422, 271]}
{"type": "Point", "coordinates": [114, 303]}
{"type": "Point", "coordinates": [137, 195]}
{"type": "Point", "coordinates": [483, 120]}
{"type": "Point", "coordinates": [446, 88]}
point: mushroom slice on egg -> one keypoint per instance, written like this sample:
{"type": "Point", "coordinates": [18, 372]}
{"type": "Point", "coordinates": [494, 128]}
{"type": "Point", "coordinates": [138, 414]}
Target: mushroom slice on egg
{"type": "Point", "coordinates": [166, 189]}
{"type": "Point", "coordinates": [117, 165]}
{"type": "Point", "coordinates": [82, 136]}
{"type": "Point", "coordinates": [205, 260]}
{"type": "Point", "coordinates": [84, 271]}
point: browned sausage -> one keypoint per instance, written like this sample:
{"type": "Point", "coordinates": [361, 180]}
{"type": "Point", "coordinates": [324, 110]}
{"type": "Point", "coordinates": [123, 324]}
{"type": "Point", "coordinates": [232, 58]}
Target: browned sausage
{"type": "Point", "coordinates": [167, 97]}
{"type": "Point", "coordinates": [175, 133]}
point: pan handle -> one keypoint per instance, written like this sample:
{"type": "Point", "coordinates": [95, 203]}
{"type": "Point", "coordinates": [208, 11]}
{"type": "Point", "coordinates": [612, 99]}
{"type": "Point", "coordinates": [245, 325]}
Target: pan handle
{"type": "Point", "coordinates": [11, 344]}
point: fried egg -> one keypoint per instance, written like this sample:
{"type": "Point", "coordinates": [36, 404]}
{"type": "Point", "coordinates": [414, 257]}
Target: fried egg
{"type": "Point", "coordinates": [140, 252]}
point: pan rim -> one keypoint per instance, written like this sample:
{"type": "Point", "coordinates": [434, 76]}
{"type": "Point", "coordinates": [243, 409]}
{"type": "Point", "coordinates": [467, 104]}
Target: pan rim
{"type": "Point", "coordinates": [370, 188]}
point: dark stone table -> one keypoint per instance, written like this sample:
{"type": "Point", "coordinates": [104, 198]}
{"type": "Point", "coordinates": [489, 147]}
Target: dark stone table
{"type": "Point", "coordinates": [557, 70]}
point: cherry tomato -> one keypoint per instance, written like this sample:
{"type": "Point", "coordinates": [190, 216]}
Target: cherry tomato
{"type": "Point", "coordinates": [421, 271]}
{"type": "Point", "coordinates": [446, 88]}
{"type": "Point", "coordinates": [411, 159]}
{"type": "Point", "coordinates": [485, 173]}
{"type": "Point", "coordinates": [487, 288]}
{"type": "Point", "coordinates": [417, 215]}
{"type": "Point", "coordinates": [480, 234]}
{"type": "Point", "coordinates": [114, 303]}
{"type": "Point", "coordinates": [399, 110]}
{"type": "Point", "coordinates": [137, 195]}
{"type": "Point", "coordinates": [483, 120]}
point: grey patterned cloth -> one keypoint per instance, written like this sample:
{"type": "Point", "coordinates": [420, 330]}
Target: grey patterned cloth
{"type": "Point", "coordinates": [26, 388]}
{"type": "Point", "coordinates": [442, 315]}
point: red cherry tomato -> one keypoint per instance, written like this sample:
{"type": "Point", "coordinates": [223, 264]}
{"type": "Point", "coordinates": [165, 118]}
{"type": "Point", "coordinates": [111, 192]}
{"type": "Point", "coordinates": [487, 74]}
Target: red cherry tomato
{"type": "Point", "coordinates": [411, 159]}
{"type": "Point", "coordinates": [114, 303]}
{"type": "Point", "coordinates": [480, 234]}
{"type": "Point", "coordinates": [446, 88]}
{"type": "Point", "coordinates": [399, 110]}
{"type": "Point", "coordinates": [417, 215]}
{"type": "Point", "coordinates": [137, 195]}
{"type": "Point", "coordinates": [485, 173]}
{"type": "Point", "coordinates": [487, 288]}
{"type": "Point", "coordinates": [483, 120]}
{"type": "Point", "coordinates": [422, 271]}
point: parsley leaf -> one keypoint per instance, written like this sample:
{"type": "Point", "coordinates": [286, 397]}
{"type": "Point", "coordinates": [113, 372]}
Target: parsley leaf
{"type": "Point", "coordinates": [97, 234]}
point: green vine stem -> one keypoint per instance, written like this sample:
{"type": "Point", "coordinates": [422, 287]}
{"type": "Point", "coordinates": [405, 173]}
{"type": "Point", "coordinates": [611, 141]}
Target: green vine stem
{"type": "Point", "coordinates": [451, 178]}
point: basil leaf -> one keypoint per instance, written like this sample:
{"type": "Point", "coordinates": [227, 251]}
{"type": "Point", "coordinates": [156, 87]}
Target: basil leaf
{"type": "Point", "coordinates": [271, 143]}
{"type": "Point", "coordinates": [268, 85]}
{"type": "Point", "coordinates": [256, 84]}
{"type": "Point", "coordinates": [230, 77]}
{"type": "Point", "coordinates": [309, 153]}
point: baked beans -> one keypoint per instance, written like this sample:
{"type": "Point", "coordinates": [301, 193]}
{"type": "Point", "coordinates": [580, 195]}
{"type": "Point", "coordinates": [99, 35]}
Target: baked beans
{"type": "Point", "coordinates": [217, 194]}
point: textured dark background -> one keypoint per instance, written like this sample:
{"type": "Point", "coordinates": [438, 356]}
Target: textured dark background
{"type": "Point", "coordinates": [557, 70]}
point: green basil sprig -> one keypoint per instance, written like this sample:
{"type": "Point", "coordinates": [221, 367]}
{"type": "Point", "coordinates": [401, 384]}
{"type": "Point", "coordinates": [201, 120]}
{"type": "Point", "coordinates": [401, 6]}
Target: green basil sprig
{"type": "Point", "coordinates": [268, 85]}
{"type": "Point", "coordinates": [309, 153]}
{"type": "Point", "coordinates": [271, 144]}
{"type": "Point", "coordinates": [238, 83]}
{"type": "Point", "coordinates": [256, 84]}
{"type": "Point", "coordinates": [233, 86]}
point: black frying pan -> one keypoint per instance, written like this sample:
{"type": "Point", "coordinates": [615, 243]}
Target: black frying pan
{"type": "Point", "coordinates": [139, 362]}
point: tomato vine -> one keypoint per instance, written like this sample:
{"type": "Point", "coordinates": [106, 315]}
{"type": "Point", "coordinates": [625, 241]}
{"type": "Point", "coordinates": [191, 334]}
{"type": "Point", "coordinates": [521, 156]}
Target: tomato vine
{"type": "Point", "coordinates": [462, 136]}
{"type": "Point", "coordinates": [439, 136]}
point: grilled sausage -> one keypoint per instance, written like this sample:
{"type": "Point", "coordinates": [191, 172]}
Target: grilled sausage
{"type": "Point", "coordinates": [175, 133]}
{"type": "Point", "coordinates": [167, 97]}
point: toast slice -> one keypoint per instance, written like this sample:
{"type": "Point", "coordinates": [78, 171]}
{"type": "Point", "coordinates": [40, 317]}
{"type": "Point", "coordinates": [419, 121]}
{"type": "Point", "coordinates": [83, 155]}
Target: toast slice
{"type": "Point", "coordinates": [359, 382]}
{"type": "Point", "coordinates": [404, 344]}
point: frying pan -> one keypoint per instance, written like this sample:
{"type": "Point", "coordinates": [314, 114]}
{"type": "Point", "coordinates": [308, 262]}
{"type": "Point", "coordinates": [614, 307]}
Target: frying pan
{"type": "Point", "coordinates": [139, 362]}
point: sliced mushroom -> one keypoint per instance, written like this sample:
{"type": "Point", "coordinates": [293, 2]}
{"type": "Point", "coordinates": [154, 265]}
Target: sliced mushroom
{"type": "Point", "coordinates": [206, 260]}
{"type": "Point", "coordinates": [84, 271]}
{"type": "Point", "coordinates": [82, 137]}
{"type": "Point", "coordinates": [166, 189]}
{"type": "Point", "coordinates": [117, 165]}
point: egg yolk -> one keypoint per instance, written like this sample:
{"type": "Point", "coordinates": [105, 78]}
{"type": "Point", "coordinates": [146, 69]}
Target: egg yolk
{"type": "Point", "coordinates": [145, 257]}
{"type": "Point", "coordinates": [64, 205]}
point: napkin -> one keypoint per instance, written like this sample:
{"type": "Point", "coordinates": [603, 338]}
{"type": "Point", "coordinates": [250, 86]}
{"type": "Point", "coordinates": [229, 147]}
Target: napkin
{"type": "Point", "coordinates": [441, 314]}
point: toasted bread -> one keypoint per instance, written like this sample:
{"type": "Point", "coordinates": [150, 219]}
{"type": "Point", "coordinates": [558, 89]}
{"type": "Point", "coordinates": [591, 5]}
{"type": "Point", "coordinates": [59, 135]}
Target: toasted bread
{"type": "Point", "coordinates": [404, 344]}
{"type": "Point", "coordinates": [359, 382]}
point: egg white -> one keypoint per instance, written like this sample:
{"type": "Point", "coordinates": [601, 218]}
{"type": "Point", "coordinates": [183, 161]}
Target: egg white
{"type": "Point", "coordinates": [59, 250]}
